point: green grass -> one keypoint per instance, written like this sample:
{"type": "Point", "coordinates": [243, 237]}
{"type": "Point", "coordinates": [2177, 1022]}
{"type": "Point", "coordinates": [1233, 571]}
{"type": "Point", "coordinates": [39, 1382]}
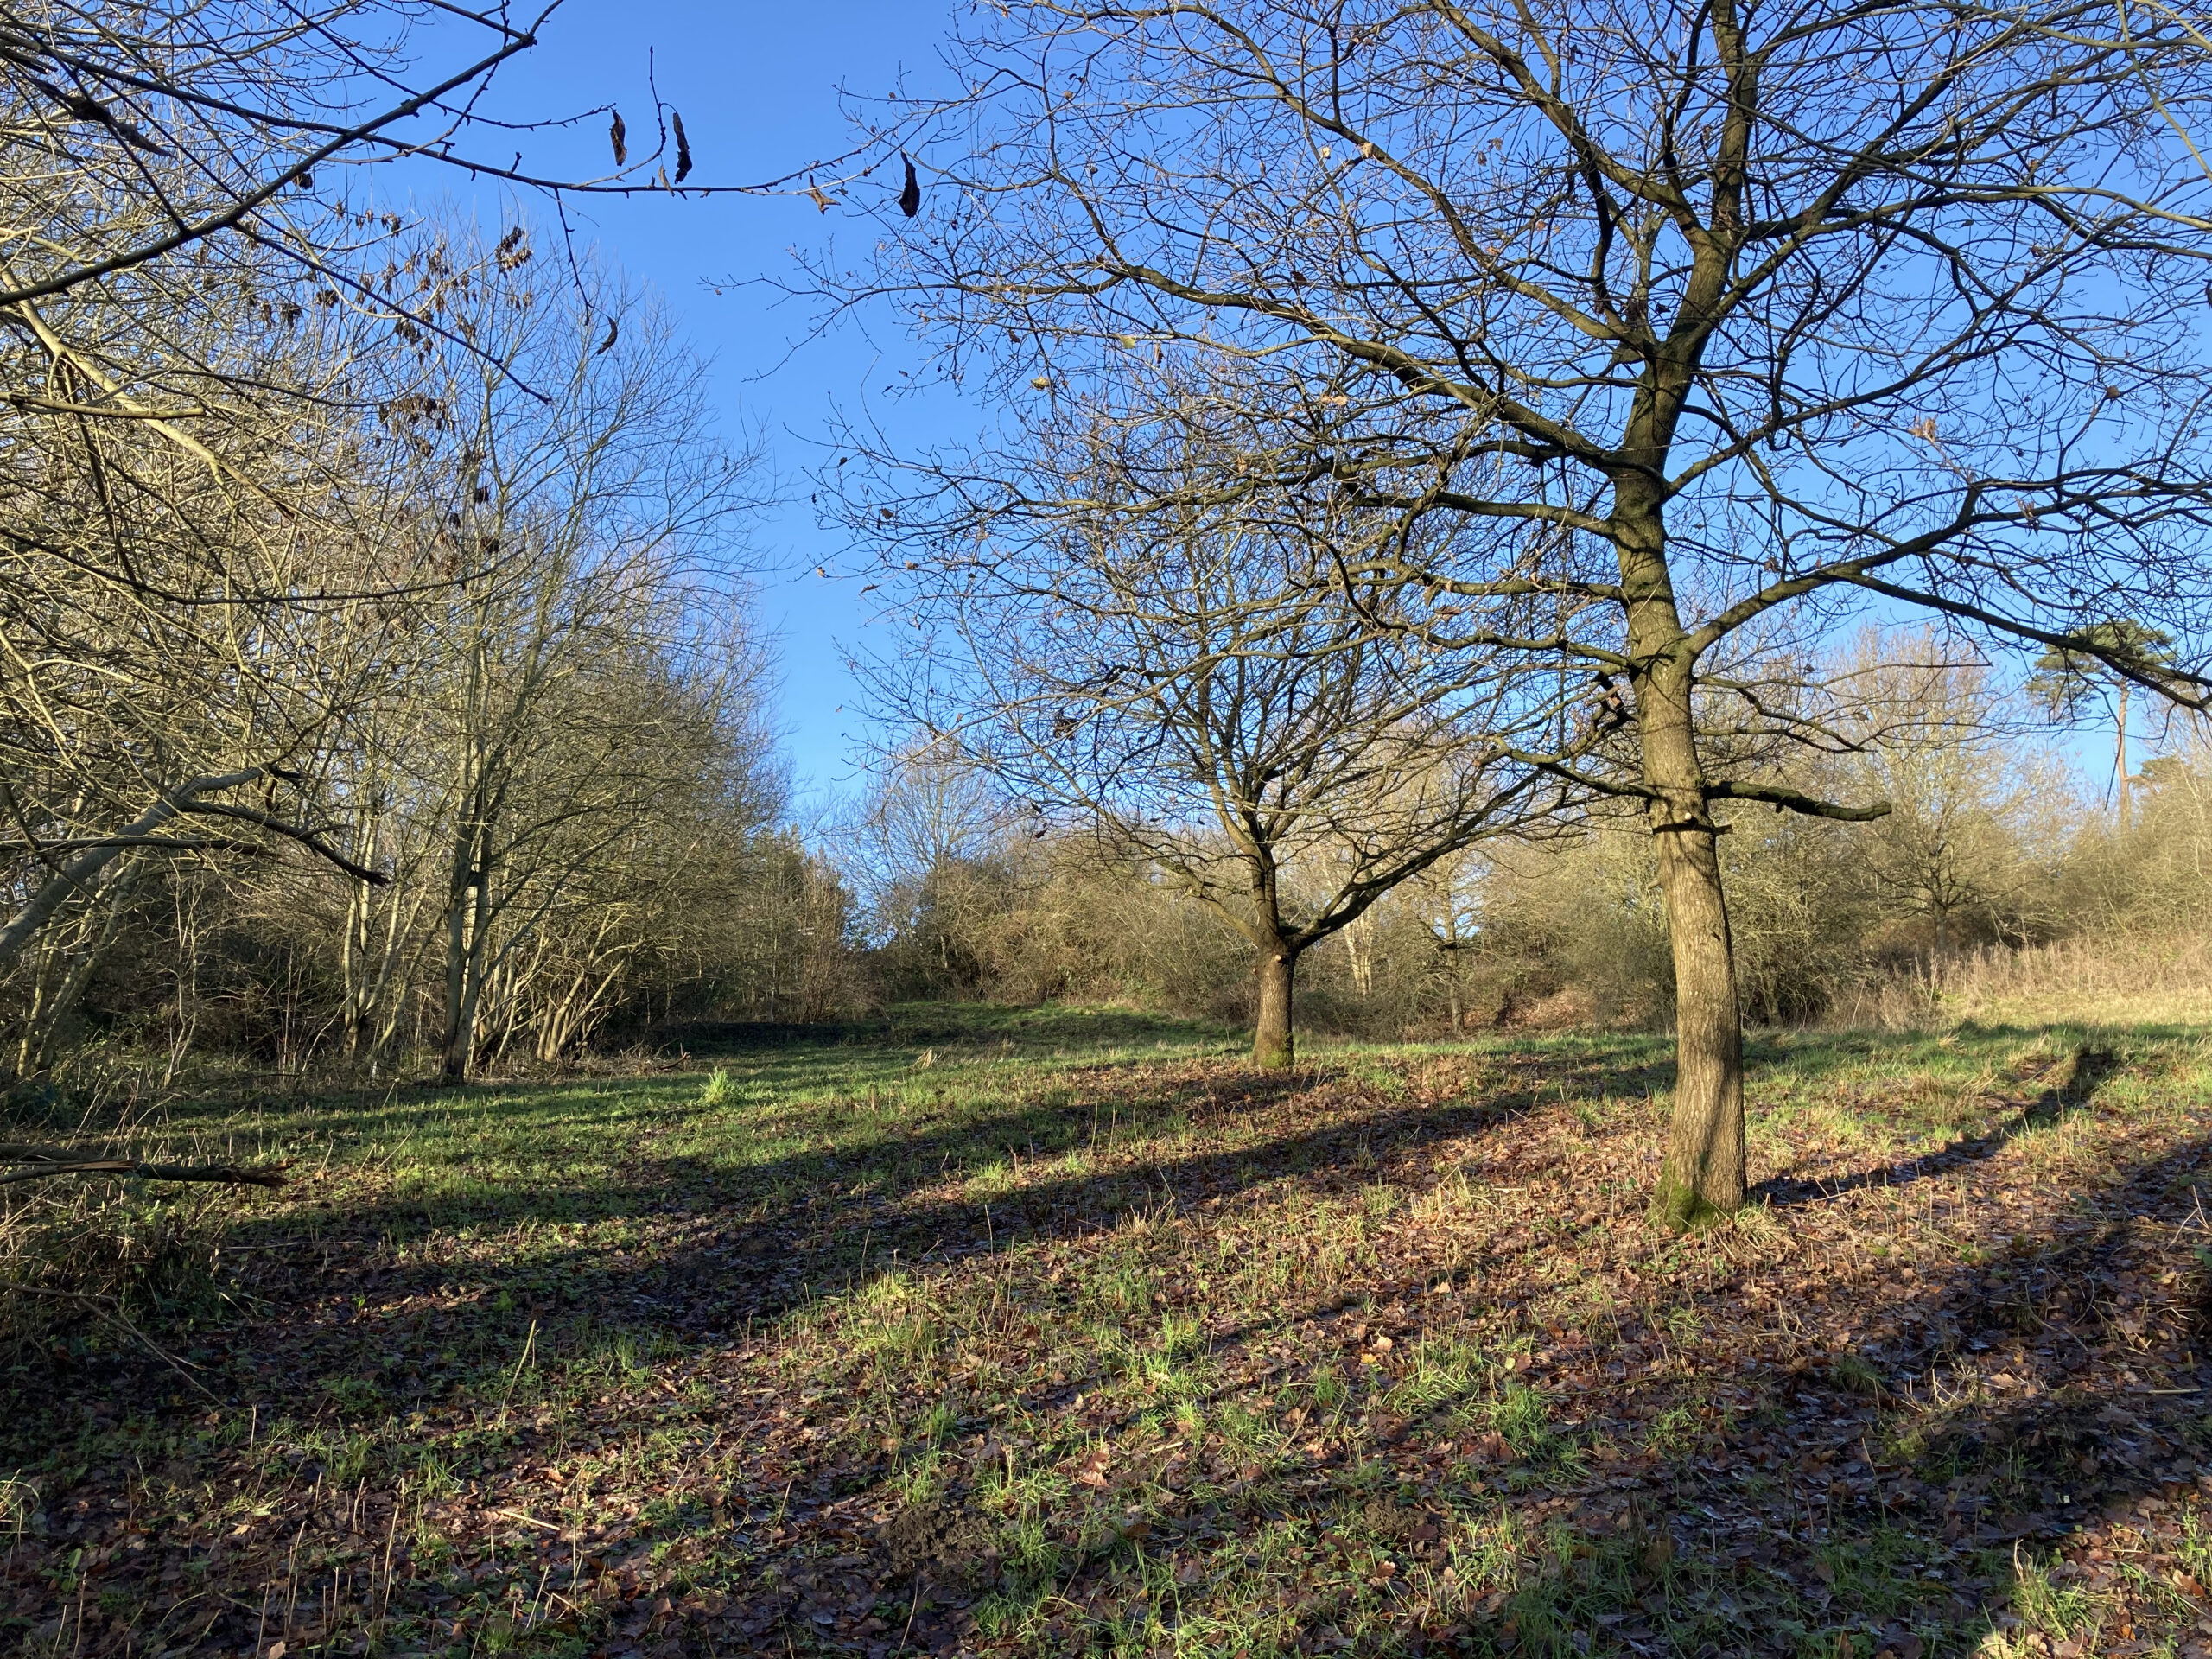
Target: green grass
{"type": "Point", "coordinates": [1059, 1330]}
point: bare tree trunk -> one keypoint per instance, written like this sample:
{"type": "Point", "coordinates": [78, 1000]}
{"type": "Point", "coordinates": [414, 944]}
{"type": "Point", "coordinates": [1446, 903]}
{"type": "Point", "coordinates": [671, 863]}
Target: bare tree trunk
{"type": "Point", "coordinates": [454, 1050]}
{"type": "Point", "coordinates": [2119, 756]}
{"type": "Point", "coordinates": [1272, 1045]}
{"type": "Point", "coordinates": [1703, 1170]}
{"type": "Point", "coordinates": [464, 952]}
{"type": "Point", "coordinates": [353, 950]}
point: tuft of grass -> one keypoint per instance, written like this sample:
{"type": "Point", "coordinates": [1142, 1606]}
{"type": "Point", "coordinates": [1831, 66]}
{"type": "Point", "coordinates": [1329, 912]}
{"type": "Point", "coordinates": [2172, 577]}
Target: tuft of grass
{"type": "Point", "coordinates": [2047, 1608]}
{"type": "Point", "coordinates": [2195, 1546]}
{"type": "Point", "coordinates": [1522, 1416]}
{"type": "Point", "coordinates": [1673, 1431]}
{"type": "Point", "coordinates": [1855, 1375]}
{"type": "Point", "coordinates": [1439, 1371]}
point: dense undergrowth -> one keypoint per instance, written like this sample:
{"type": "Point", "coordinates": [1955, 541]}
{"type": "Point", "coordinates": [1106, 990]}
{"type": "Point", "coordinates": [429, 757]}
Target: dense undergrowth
{"type": "Point", "coordinates": [1056, 1333]}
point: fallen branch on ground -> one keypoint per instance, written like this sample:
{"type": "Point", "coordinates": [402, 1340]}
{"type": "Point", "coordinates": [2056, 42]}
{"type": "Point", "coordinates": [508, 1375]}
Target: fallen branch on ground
{"type": "Point", "coordinates": [42, 1161]}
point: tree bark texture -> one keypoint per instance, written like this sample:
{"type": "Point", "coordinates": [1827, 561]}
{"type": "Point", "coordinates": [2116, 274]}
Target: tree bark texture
{"type": "Point", "coordinates": [1273, 1047]}
{"type": "Point", "coordinates": [1703, 1170]}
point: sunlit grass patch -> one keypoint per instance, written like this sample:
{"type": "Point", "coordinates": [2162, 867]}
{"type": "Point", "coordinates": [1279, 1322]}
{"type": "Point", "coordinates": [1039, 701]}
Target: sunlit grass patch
{"type": "Point", "coordinates": [2047, 1610]}
{"type": "Point", "coordinates": [1439, 1371]}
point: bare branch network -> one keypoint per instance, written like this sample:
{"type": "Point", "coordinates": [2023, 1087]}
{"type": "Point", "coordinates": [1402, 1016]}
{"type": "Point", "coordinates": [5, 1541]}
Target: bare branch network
{"type": "Point", "coordinates": [1711, 325]}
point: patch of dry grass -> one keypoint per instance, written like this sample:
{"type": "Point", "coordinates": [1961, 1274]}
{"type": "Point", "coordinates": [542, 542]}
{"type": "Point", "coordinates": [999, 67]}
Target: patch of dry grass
{"type": "Point", "coordinates": [2108, 980]}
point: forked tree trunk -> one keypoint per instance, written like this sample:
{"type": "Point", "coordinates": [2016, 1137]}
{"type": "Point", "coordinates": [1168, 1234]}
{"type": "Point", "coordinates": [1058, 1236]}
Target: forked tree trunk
{"type": "Point", "coordinates": [1273, 1045]}
{"type": "Point", "coordinates": [1703, 1170]}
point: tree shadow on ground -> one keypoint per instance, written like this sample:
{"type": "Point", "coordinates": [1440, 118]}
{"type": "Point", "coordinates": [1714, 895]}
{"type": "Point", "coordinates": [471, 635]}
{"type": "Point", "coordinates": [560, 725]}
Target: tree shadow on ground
{"type": "Point", "coordinates": [802, 1219]}
{"type": "Point", "coordinates": [1872, 1478]}
{"type": "Point", "coordinates": [976, 1026]}
{"type": "Point", "coordinates": [735, 1243]}
{"type": "Point", "coordinates": [1877, 1419]}
{"type": "Point", "coordinates": [2086, 1071]}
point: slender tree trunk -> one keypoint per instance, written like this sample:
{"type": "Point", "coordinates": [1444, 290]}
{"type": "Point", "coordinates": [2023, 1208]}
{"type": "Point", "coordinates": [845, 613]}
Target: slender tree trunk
{"type": "Point", "coordinates": [1273, 1047]}
{"type": "Point", "coordinates": [460, 1053]}
{"type": "Point", "coordinates": [464, 952]}
{"type": "Point", "coordinates": [2119, 755]}
{"type": "Point", "coordinates": [1703, 1170]}
{"type": "Point", "coordinates": [459, 1016]}
{"type": "Point", "coordinates": [352, 949]}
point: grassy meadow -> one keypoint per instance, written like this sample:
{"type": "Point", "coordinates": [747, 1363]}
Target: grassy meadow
{"type": "Point", "coordinates": [1062, 1332]}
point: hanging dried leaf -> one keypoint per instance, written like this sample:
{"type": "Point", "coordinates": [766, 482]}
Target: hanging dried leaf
{"type": "Point", "coordinates": [618, 136]}
{"type": "Point", "coordinates": [822, 199]}
{"type": "Point", "coordinates": [682, 147]}
{"type": "Point", "coordinates": [613, 329]}
{"type": "Point", "coordinates": [910, 198]}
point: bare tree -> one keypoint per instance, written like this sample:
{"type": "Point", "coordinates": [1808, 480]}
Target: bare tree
{"type": "Point", "coordinates": [597, 518]}
{"type": "Point", "coordinates": [928, 842]}
{"type": "Point", "coordinates": [202, 304]}
{"type": "Point", "coordinates": [174, 647]}
{"type": "Point", "coordinates": [1725, 316]}
{"type": "Point", "coordinates": [1190, 681]}
{"type": "Point", "coordinates": [1954, 856]}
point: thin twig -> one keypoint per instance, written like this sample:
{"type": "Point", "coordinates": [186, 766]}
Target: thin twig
{"type": "Point", "coordinates": [115, 1318]}
{"type": "Point", "coordinates": [527, 1520]}
{"type": "Point", "coordinates": [528, 1342]}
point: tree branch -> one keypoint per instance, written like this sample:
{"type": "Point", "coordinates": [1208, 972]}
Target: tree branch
{"type": "Point", "coordinates": [1797, 801]}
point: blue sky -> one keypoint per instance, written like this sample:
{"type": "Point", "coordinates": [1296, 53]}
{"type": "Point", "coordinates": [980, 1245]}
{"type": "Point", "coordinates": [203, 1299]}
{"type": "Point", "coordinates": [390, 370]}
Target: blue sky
{"type": "Point", "coordinates": [757, 86]}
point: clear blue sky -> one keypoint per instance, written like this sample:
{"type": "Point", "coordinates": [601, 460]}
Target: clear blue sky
{"type": "Point", "coordinates": [757, 86]}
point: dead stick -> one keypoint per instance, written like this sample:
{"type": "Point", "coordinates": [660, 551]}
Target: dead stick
{"type": "Point", "coordinates": [115, 1318]}
{"type": "Point", "coordinates": [231, 1174]}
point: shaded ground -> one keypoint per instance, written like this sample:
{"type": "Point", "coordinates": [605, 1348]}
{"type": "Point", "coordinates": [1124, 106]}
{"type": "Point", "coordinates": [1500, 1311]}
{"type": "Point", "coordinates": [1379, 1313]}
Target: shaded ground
{"type": "Point", "coordinates": [1048, 1334]}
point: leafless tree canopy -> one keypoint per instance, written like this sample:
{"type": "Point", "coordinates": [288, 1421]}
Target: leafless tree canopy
{"type": "Point", "coordinates": [1903, 297]}
{"type": "Point", "coordinates": [253, 425]}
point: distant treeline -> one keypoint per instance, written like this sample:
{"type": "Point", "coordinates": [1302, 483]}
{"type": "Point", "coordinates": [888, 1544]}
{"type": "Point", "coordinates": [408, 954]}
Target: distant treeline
{"type": "Point", "coordinates": [1994, 843]}
{"type": "Point", "coordinates": [709, 907]}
